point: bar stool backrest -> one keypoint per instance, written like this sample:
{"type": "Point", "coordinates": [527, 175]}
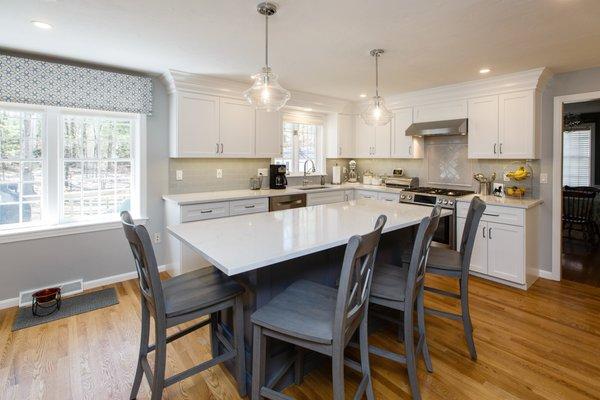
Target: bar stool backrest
{"type": "Point", "coordinates": [145, 264]}
{"type": "Point", "coordinates": [470, 231]}
{"type": "Point", "coordinates": [355, 282]}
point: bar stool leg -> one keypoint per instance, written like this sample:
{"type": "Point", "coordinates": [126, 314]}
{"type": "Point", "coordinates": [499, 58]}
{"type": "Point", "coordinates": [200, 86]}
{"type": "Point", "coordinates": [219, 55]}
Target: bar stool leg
{"type": "Point", "coordinates": [238, 331]}
{"type": "Point", "coordinates": [466, 317]}
{"type": "Point", "coordinates": [337, 372]}
{"type": "Point", "coordinates": [364, 355]}
{"type": "Point", "coordinates": [259, 359]}
{"type": "Point", "coordinates": [159, 361]}
{"type": "Point", "coordinates": [422, 333]}
{"type": "Point", "coordinates": [144, 337]}
{"type": "Point", "coordinates": [409, 347]}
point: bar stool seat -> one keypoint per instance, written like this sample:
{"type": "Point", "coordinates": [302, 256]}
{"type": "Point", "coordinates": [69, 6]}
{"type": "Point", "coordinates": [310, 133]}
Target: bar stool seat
{"type": "Point", "coordinates": [198, 289]}
{"type": "Point", "coordinates": [305, 310]}
{"type": "Point", "coordinates": [439, 257]}
{"type": "Point", "coordinates": [389, 282]}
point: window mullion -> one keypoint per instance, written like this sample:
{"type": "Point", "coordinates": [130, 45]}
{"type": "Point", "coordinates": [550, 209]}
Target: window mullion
{"type": "Point", "coordinates": [52, 166]}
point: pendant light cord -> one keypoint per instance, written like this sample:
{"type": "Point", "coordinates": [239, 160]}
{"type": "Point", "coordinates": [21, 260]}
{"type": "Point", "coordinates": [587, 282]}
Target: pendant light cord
{"type": "Point", "coordinates": [377, 75]}
{"type": "Point", "coordinates": [267, 39]}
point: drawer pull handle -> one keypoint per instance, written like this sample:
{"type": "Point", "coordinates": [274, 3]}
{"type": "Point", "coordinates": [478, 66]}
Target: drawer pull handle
{"type": "Point", "coordinates": [490, 233]}
{"type": "Point", "coordinates": [491, 215]}
{"type": "Point", "coordinates": [206, 211]}
{"type": "Point", "coordinates": [252, 206]}
{"type": "Point", "coordinates": [483, 230]}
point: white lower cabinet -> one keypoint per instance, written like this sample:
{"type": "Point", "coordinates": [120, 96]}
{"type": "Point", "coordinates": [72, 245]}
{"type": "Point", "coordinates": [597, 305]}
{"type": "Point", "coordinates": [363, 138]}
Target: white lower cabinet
{"type": "Point", "coordinates": [504, 252]}
{"type": "Point", "coordinates": [315, 199]}
{"type": "Point", "coordinates": [365, 194]}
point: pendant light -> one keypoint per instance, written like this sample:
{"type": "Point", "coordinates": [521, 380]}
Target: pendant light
{"type": "Point", "coordinates": [376, 113]}
{"type": "Point", "coordinates": [266, 93]}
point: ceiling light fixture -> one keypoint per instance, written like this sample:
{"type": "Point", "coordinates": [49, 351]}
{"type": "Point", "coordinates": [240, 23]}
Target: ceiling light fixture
{"type": "Point", "coordinates": [266, 93]}
{"type": "Point", "coordinates": [484, 71]}
{"type": "Point", "coordinates": [41, 25]}
{"type": "Point", "coordinates": [376, 113]}
{"type": "Point", "coordinates": [363, 95]}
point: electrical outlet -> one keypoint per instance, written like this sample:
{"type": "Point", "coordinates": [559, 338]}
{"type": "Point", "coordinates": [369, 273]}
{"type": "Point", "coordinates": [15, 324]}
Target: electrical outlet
{"type": "Point", "coordinates": [263, 172]}
{"type": "Point", "coordinates": [156, 237]}
{"type": "Point", "coordinates": [544, 178]}
{"type": "Point", "coordinates": [219, 173]}
{"type": "Point", "coordinates": [179, 175]}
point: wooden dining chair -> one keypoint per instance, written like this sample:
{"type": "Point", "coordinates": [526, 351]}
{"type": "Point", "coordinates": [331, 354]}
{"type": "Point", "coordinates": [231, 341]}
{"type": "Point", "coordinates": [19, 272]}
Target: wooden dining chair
{"type": "Point", "coordinates": [399, 288]}
{"type": "Point", "coordinates": [322, 319]}
{"type": "Point", "coordinates": [578, 212]}
{"type": "Point", "coordinates": [178, 300]}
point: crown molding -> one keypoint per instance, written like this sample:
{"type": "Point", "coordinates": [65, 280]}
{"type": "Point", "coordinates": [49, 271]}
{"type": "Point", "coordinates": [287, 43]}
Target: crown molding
{"type": "Point", "coordinates": [177, 81]}
{"type": "Point", "coordinates": [534, 79]}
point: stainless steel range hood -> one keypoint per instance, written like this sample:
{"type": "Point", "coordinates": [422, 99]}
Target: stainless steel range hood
{"type": "Point", "coordinates": [439, 128]}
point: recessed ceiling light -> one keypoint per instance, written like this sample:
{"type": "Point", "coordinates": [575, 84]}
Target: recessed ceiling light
{"type": "Point", "coordinates": [484, 71]}
{"type": "Point", "coordinates": [363, 95]}
{"type": "Point", "coordinates": [307, 109]}
{"type": "Point", "coordinates": [41, 25]}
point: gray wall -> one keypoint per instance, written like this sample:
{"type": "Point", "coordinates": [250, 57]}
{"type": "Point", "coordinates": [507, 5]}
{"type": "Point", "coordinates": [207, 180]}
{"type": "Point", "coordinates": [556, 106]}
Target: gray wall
{"type": "Point", "coordinates": [37, 263]}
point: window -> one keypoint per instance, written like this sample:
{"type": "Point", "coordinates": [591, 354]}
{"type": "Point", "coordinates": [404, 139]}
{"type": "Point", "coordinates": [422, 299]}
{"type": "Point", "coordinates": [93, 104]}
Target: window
{"type": "Point", "coordinates": [21, 167]}
{"type": "Point", "coordinates": [302, 139]}
{"type": "Point", "coordinates": [577, 157]}
{"type": "Point", "coordinates": [61, 166]}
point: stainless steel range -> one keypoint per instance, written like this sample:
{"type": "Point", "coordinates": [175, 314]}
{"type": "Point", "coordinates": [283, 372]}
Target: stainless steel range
{"type": "Point", "coordinates": [429, 196]}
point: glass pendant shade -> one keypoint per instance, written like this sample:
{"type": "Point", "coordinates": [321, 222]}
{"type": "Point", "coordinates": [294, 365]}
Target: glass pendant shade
{"type": "Point", "coordinates": [266, 93]}
{"type": "Point", "coordinates": [376, 113]}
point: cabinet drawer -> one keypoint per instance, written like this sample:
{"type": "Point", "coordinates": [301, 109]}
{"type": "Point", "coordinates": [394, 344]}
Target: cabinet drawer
{"type": "Point", "coordinates": [365, 194]}
{"type": "Point", "coordinates": [313, 199]}
{"type": "Point", "coordinates": [498, 214]}
{"type": "Point", "coordinates": [199, 212]}
{"type": "Point", "coordinates": [250, 206]}
{"type": "Point", "coordinates": [391, 197]}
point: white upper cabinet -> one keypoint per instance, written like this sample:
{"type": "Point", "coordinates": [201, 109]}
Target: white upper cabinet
{"type": "Point", "coordinates": [340, 136]}
{"type": "Point", "coordinates": [268, 134]}
{"type": "Point", "coordinates": [194, 125]}
{"type": "Point", "coordinates": [517, 137]}
{"type": "Point", "coordinates": [483, 127]}
{"type": "Point", "coordinates": [373, 141]}
{"type": "Point", "coordinates": [405, 146]}
{"type": "Point", "coordinates": [441, 111]}
{"type": "Point", "coordinates": [237, 127]}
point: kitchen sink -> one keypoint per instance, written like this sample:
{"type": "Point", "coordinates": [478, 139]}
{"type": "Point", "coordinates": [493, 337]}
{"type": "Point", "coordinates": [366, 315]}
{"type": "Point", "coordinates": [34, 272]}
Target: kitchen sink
{"type": "Point", "coordinates": [313, 187]}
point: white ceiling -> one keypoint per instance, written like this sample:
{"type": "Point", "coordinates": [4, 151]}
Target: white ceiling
{"type": "Point", "coordinates": [319, 46]}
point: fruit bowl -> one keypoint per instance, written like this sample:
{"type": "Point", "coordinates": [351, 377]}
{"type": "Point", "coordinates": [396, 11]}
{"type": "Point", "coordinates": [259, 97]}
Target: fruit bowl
{"type": "Point", "coordinates": [519, 174]}
{"type": "Point", "coordinates": [515, 191]}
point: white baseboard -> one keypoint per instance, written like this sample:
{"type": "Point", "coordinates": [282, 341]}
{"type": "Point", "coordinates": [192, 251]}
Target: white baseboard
{"type": "Point", "coordinates": [13, 302]}
{"type": "Point", "coordinates": [547, 275]}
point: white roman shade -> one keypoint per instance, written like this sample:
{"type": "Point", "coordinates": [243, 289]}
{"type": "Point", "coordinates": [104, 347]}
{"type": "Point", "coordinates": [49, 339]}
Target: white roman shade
{"type": "Point", "coordinates": [24, 80]}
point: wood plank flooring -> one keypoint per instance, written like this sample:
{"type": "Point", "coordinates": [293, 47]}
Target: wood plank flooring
{"type": "Point", "coordinates": [539, 344]}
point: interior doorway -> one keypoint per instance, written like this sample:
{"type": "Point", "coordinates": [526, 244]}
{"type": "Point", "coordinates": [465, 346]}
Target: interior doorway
{"type": "Point", "coordinates": [576, 194]}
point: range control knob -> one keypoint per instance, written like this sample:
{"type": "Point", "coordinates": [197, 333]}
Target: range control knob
{"type": "Point", "coordinates": [445, 202]}
{"type": "Point", "coordinates": [451, 203]}
{"type": "Point", "coordinates": [439, 201]}
{"type": "Point", "coordinates": [402, 196]}
{"type": "Point", "coordinates": [409, 197]}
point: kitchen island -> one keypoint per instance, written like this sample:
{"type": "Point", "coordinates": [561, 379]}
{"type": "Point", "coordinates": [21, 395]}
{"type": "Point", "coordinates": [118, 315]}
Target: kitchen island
{"type": "Point", "coordinates": [266, 252]}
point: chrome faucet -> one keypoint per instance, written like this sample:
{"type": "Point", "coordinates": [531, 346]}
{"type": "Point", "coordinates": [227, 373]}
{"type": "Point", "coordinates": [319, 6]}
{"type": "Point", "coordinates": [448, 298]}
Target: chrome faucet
{"type": "Point", "coordinates": [313, 169]}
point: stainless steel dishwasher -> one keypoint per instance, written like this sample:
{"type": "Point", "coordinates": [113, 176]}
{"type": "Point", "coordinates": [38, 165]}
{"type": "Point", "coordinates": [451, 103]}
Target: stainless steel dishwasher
{"type": "Point", "coordinates": [286, 202]}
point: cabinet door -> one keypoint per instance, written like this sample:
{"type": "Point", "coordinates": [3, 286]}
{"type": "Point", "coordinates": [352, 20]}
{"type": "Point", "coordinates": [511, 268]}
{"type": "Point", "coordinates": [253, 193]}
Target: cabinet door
{"type": "Point", "coordinates": [365, 194]}
{"type": "Point", "coordinates": [383, 141]}
{"type": "Point", "coordinates": [345, 132]}
{"type": "Point", "coordinates": [506, 250]}
{"type": "Point", "coordinates": [483, 127]}
{"type": "Point", "coordinates": [517, 134]}
{"type": "Point", "coordinates": [479, 257]}
{"type": "Point", "coordinates": [365, 139]}
{"type": "Point", "coordinates": [389, 197]}
{"type": "Point", "coordinates": [195, 131]}
{"type": "Point", "coordinates": [237, 128]}
{"type": "Point", "coordinates": [268, 134]}
{"type": "Point", "coordinates": [441, 111]}
{"type": "Point", "coordinates": [405, 146]}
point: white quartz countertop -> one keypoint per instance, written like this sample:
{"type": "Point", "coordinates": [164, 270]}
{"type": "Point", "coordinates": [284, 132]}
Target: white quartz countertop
{"type": "Point", "coordinates": [503, 201]}
{"type": "Point", "coordinates": [248, 242]}
{"type": "Point", "coordinates": [228, 195]}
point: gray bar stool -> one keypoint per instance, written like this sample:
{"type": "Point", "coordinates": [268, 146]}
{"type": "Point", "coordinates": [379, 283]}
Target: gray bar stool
{"type": "Point", "coordinates": [456, 264]}
{"type": "Point", "coordinates": [401, 288]}
{"type": "Point", "coordinates": [322, 319]}
{"type": "Point", "coordinates": [178, 300]}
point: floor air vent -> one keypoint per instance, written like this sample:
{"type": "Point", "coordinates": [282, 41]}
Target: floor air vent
{"type": "Point", "coordinates": [67, 288]}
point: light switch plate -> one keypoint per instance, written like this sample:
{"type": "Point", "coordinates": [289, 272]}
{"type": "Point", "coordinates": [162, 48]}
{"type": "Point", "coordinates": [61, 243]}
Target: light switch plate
{"type": "Point", "coordinates": [219, 173]}
{"type": "Point", "coordinates": [179, 175]}
{"type": "Point", "coordinates": [544, 178]}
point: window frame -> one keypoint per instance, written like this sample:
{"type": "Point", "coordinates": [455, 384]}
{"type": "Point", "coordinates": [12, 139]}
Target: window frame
{"type": "Point", "coordinates": [51, 223]}
{"type": "Point", "coordinates": [592, 130]}
{"type": "Point", "coordinates": [308, 119]}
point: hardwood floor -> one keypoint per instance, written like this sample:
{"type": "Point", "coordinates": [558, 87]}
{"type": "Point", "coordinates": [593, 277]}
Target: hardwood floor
{"type": "Point", "coordinates": [581, 263]}
{"type": "Point", "coordinates": [539, 344]}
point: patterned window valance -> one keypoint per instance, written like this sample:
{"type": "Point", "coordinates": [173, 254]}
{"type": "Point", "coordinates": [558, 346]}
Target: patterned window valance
{"type": "Point", "coordinates": [24, 80]}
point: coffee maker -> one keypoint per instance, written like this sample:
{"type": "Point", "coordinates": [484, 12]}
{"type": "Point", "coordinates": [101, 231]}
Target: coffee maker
{"type": "Point", "coordinates": [277, 178]}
